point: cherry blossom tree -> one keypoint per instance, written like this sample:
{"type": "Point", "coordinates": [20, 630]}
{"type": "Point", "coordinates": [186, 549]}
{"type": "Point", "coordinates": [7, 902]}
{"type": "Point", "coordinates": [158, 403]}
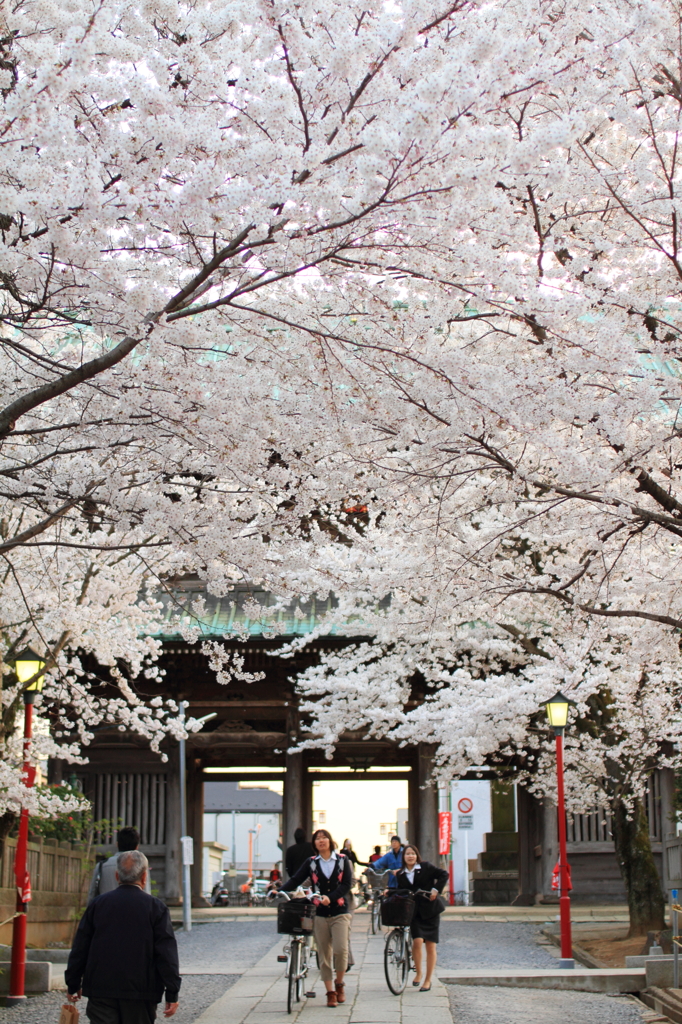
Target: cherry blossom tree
{"type": "Point", "coordinates": [377, 300]}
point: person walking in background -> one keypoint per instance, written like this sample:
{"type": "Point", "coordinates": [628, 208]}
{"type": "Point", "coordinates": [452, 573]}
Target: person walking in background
{"type": "Point", "coordinates": [125, 954]}
{"type": "Point", "coordinates": [375, 856]}
{"type": "Point", "coordinates": [332, 877]}
{"type": "Point", "coordinates": [298, 854]}
{"type": "Point", "coordinates": [275, 874]}
{"type": "Point", "coordinates": [274, 879]}
{"type": "Point", "coordinates": [351, 854]}
{"type": "Point", "coordinates": [391, 861]}
{"type": "Point", "coordinates": [104, 875]}
{"type": "Point", "coordinates": [420, 874]}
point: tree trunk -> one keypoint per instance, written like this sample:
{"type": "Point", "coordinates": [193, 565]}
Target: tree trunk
{"type": "Point", "coordinates": [7, 822]}
{"type": "Point", "coordinates": [636, 861]}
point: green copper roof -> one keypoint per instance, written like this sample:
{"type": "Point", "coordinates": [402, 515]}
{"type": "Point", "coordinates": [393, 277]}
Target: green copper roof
{"type": "Point", "coordinates": [242, 613]}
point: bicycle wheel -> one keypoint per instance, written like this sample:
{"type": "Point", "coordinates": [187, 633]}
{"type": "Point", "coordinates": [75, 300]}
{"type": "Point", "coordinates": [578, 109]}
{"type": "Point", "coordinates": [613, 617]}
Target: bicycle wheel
{"type": "Point", "coordinates": [302, 972]}
{"type": "Point", "coordinates": [293, 975]}
{"type": "Point", "coordinates": [395, 961]}
{"type": "Point", "coordinates": [376, 915]}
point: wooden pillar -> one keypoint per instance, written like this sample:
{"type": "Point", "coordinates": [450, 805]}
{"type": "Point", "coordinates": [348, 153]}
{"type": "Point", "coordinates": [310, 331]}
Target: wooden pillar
{"type": "Point", "coordinates": [307, 787]}
{"type": "Point", "coordinates": [296, 804]}
{"type": "Point", "coordinates": [530, 846]}
{"type": "Point", "coordinates": [428, 804]}
{"type": "Point", "coordinates": [171, 836]}
{"type": "Point", "coordinates": [195, 826]}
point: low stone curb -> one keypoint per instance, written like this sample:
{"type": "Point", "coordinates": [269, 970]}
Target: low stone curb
{"type": "Point", "coordinates": [38, 977]}
{"type": "Point", "coordinates": [612, 980]}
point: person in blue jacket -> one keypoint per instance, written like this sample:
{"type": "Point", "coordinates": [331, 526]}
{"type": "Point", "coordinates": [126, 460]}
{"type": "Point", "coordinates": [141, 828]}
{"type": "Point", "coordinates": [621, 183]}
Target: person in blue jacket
{"type": "Point", "coordinates": [391, 861]}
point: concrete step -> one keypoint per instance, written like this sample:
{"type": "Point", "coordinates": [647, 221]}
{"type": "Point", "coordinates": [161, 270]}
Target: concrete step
{"type": "Point", "coordinates": [665, 1001]}
{"type": "Point", "coordinates": [38, 977]}
{"type": "Point", "coordinates": [611, 980]}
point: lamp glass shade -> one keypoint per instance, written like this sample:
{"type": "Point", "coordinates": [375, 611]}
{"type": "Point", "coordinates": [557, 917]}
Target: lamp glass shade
{"type": "Point", "coordinates": [26, 665]}
{"type": "Point", "coordinates": [557, 710]}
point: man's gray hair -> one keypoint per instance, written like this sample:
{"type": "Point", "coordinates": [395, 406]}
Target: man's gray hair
{"type": "Point", "coordinates": [131, 865]}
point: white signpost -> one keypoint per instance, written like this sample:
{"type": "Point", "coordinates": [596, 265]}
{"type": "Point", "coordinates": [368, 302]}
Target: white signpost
{"type": "Point", "coordinates": [465, 822]}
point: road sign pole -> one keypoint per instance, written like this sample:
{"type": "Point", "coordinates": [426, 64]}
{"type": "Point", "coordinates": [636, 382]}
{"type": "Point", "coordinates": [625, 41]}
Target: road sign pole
{"type": "Point", "coordinates": [465, 823]}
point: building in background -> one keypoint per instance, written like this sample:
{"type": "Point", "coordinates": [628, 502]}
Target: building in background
{"type": "Point", "coordinates": [241, 818]}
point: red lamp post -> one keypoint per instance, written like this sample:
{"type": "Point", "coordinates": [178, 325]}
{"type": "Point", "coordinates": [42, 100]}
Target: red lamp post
{"type": "Point", "coordinates": [557, 713]}
{"type": "Point", "coordinates": [29, 669]}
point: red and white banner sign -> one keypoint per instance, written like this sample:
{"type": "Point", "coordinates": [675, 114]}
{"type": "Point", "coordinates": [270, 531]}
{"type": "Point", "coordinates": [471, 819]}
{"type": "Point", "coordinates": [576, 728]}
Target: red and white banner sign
{"type": "Point", "coordinates": [444, 832]}
{"type": "Point", "coordinates": [24, 888]}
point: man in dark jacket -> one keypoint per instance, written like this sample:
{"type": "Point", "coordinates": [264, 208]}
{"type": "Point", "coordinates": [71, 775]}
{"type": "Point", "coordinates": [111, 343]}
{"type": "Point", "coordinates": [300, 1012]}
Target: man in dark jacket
{"type": "Point", "coordinates": [298, 853]}
{"type": "Point", "coordinates": [104, 875]}
{"type": "Point", "coordinates": [125, 953]}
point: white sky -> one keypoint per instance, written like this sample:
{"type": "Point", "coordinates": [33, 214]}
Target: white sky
{"type": "Point", "coordinates": [356, 809]}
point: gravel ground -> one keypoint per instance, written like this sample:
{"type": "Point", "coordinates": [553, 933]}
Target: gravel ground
{"type": "Point", "coordinates": [209, 946]}
{"type": "Point", "coordinates": [213, 946]}
{"type": "Point", "coordinates": [488, 944]}
{"type": "Point", "coordinates": [198, 991]}
{"type": "Point", "coordinates": [480, 1005]}
{"type": "Point", "coordinates": [483, 944]}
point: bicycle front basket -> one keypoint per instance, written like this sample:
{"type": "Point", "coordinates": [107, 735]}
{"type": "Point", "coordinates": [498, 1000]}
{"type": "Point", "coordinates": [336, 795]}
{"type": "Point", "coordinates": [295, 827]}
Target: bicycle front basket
{"type": "Point", "coordinates": [295, 917]}
{"type": "Point", "coordinates": [377, 880]}
{"type": "Point", "coordinates": [397, 911]}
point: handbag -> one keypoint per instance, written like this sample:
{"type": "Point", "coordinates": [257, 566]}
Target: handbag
{"type": "Point", "coordinates": [69, 1014]}
{"type": "Point", "coordinates": [430, 908]}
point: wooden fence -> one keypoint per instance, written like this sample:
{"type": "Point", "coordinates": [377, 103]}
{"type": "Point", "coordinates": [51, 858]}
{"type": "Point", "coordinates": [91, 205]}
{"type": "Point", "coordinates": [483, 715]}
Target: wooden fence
{"type": "Point", "coordinates": [60, 877]}
{"type": "Point", "coordinates": [53, 866]}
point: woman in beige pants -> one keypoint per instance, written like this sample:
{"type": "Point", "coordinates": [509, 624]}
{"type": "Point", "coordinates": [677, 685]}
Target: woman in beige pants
{"type": "Point", "coordinates": [332, 877]}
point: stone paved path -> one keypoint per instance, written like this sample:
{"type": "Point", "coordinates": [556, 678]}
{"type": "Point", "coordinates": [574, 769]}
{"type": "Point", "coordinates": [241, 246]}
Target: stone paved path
{"type": "Point", "coordinates": [259, 997]}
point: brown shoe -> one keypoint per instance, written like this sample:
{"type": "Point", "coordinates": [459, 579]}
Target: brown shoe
{"type": "Point", "coordinates": [331, 999]}
{"type": "Point", "coordinates": [340, 992]}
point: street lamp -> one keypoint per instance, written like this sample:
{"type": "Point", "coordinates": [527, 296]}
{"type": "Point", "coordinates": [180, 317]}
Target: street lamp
{"type": "Point", "coordinates": [29, 668]}
{"type": "Point", "coordinates": [557, 713]}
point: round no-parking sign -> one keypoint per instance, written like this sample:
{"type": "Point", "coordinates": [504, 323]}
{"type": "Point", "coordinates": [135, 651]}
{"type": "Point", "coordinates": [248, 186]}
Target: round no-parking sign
{"type": "Point", "coordinates": [465, 805]}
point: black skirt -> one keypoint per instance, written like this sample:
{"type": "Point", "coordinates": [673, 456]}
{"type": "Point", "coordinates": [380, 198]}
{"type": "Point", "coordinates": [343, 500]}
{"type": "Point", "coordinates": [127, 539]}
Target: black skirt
{"type": "Point", "coordinates": [423, 927]}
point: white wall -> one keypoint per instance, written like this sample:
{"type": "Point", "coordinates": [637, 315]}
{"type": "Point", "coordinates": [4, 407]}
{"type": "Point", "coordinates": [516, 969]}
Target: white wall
{"type": "Point", "coordinates": [356, 809]}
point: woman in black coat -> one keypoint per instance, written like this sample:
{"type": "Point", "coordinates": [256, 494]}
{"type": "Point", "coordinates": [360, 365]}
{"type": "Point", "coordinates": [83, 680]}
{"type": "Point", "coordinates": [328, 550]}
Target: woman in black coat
{"type": "Point", "coordinates": [420, 874]}
{"type": "Point", "coordinates": [332, 877]}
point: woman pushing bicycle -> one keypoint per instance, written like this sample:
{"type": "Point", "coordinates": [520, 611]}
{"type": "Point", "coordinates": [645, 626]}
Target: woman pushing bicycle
{"type": "Point", "coordinates": [332, 877]}
{"type": "Point", "coordinates": [417, 876]}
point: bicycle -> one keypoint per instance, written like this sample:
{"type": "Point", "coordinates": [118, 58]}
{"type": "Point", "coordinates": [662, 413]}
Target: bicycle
{"type": "Point", "coordinates": [377, 884]}
{"type": "Point", "coordinates": [397, 913]}
{"type": "Point", "coordinates": [296, 921]}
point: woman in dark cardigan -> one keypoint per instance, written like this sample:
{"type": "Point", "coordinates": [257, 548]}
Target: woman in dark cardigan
{"type": "Point", "coordinates": [420, 874]}
{"type": "Point", "coordinates": [332, 876]}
